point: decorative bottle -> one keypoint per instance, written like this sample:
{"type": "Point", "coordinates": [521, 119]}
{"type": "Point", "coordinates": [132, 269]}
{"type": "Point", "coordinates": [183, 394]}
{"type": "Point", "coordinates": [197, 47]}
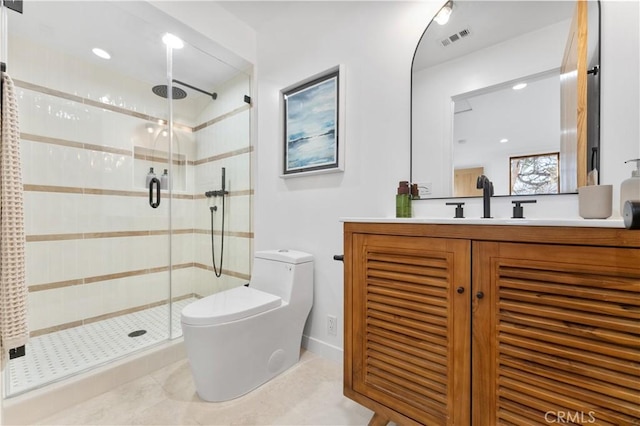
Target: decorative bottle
{"type": "Point", "coordinates": [150, 176]}
{"type": "Point", "coordinates": [403, 200]}
{"type": "Point", "coordinates": [630, 188]}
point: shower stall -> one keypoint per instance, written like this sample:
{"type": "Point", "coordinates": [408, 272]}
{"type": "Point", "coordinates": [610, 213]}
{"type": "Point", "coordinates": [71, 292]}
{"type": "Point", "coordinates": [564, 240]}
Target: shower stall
{"type": "Point", "coordinates": [107, 272]}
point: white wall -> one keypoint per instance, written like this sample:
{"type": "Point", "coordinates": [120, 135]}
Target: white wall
{"type": "Point", "coordinates": [375, 42]}
{"type": "Point", "coordinates": [620, 96]}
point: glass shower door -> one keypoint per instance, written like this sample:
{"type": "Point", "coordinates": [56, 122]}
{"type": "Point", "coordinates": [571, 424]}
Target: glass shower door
{"type": "Point", "coordinates": [211, 113]}
{"type": "Point", "coordinates": [110, 264]}
{"type": "Point", "coordinates": [98, 264]}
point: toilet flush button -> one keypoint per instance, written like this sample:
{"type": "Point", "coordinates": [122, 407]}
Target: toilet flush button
{"type": "Point", "coordinates": [283, 251]}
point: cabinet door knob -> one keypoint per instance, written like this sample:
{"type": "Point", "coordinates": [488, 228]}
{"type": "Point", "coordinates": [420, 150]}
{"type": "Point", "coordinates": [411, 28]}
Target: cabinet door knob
{"type": "Point", "coordinates": [479, 295]}
{"type": "Point", "coordinates": [460, 290]}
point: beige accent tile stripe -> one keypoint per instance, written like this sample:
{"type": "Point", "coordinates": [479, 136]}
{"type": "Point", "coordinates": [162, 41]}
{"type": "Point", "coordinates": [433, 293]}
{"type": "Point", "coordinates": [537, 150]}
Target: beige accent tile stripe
{"type": "Point", "coordinates": [72, 324]}
{"type": "Point", "coordinates": [96, 191]}
{"type": "Point", "coordinates": [87, 280]}
{"type": "Point", "coordinates": [229, 233]}
{"type": "Point", "coordinates": [98, 278]}
{"type": "Point", "coordinates": [241, 193]}
{"type": "Point", "coordinates": [73, 144]}
{"type": "Point", "coordinates": [222, 117]}
{"type": "Point", "coordinates": [163, 160]}
{"type": "Point", "coordinates": [240, 151]}
{"type": "Point", "coordinates": [140, 155]}
{"type": "Point", "coordinates": [124, 234]}
{"type": "Point", "coordinates": [58, 284]}
{"type": "Point", "coordinates": [225, 271]}
{"type": "Point", "coordinates": [97, 104]}
{"type": "Point", "coordinates": [121, 110]}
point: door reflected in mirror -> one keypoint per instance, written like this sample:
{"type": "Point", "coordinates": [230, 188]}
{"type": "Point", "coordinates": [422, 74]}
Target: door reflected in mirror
{"type": "Point", "coordinates": [491, 85]}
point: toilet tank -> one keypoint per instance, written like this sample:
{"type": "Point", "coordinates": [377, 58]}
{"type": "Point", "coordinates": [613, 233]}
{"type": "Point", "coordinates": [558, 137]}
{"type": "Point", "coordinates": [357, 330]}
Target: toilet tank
{"type": "Point", "coordinates": [285, 273]}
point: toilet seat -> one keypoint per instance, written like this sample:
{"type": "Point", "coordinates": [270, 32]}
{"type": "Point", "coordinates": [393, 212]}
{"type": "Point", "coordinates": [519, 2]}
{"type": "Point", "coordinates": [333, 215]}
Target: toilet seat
{"type": "Point", "coordinates": [229, 305]}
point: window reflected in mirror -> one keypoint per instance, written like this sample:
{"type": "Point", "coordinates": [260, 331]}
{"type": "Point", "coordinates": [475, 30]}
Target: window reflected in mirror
{"type": "Point", "coordinates": [535, 174]}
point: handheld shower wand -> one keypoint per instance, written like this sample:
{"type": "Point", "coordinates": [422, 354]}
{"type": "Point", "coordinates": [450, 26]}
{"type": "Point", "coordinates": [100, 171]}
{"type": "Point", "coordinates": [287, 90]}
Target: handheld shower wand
{"type": "Point", "coordinates": [222, 192]}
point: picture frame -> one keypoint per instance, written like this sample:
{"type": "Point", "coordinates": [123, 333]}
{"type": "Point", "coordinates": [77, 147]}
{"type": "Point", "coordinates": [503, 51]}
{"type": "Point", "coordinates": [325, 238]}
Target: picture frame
{"type": "Point", "coordinates": [312, 134]}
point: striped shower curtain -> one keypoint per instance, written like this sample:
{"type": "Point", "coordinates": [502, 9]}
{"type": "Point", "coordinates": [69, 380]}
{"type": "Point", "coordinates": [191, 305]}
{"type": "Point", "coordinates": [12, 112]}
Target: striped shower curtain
{"type": "Point", "coordinates": [13, 288]}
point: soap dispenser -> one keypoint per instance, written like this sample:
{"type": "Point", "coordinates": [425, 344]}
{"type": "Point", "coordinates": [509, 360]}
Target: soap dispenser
{"type": "Point", "coordinates": [630, 188]}
{"type": "Point", "coordinates": [150, 176]}
{"type": "Point", "coordinates": [403, 200]}
{"type": "Point", "coordinates": [164, 180]}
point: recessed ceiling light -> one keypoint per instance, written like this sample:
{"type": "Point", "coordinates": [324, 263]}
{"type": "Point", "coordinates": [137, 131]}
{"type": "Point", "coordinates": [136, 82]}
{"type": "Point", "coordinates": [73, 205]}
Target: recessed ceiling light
{"type": "Point", "coordinates": [172, 41]}
{"type": "Point", "coordinates": [101, 53]}
{"type": "Point", "coordinates": [519, 86]}
{"type": "Point", "coordinates": [504, 140]}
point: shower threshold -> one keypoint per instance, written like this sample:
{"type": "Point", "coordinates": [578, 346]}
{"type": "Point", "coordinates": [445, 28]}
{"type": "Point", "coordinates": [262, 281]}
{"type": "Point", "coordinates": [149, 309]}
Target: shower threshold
{"type": "Point", "coordinates": [55, 356]}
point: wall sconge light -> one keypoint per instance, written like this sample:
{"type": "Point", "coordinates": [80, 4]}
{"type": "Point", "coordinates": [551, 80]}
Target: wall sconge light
{"type": "Point", "coordinates": [444, 14]}
{"type": "Point", "coordinates": [149, 128]}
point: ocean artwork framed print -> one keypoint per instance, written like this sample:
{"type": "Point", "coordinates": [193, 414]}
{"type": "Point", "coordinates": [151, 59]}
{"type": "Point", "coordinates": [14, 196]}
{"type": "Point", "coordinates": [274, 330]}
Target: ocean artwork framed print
{"type": "Point", "coordinates": [311, 125]}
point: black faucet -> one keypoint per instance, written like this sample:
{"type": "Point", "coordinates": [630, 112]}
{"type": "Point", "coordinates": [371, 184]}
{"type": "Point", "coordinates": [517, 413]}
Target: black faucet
{"type": "Point", "coordinates": [487, 191]}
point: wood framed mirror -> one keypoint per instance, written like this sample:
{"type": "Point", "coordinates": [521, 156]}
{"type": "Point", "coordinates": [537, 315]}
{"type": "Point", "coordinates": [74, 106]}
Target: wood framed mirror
{"type": "Point", "coordinates": [469, 66]}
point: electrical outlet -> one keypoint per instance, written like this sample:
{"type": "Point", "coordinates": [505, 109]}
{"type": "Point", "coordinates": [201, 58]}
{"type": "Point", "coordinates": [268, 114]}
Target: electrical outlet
{"type": "Point", "coordinates": [425, 189]}
{"type": "Point", "coordinates": [332, 325]}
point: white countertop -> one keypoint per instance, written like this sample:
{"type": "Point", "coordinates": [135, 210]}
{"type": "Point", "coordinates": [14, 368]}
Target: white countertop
{"type": "Point", "coordinates": [575, 222]}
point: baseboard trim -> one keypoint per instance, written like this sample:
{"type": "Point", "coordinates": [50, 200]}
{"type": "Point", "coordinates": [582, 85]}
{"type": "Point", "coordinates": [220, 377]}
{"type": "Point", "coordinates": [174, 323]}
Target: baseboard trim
{"type": "Point", "coordinates": [323, 349]}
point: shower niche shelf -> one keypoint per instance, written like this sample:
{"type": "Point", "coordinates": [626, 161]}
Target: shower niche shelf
{"type": "Point", "coordinates": [145, 158]}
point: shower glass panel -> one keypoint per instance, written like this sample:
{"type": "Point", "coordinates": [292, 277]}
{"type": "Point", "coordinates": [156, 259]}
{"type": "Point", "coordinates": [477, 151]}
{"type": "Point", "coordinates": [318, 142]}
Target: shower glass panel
{"type": "Point", "coordinates": [212, 130]}
{"type": "Point", "coordinates": [108, 274]}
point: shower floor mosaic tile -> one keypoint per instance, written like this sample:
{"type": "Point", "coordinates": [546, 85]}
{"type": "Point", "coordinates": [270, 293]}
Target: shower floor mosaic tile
{"type": "Point", "coordinates": [57, 355]}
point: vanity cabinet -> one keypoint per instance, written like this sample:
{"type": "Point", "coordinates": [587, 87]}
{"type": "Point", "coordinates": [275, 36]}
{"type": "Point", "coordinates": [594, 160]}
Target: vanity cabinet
{"type": "Point", "coordinates": [487, 325]}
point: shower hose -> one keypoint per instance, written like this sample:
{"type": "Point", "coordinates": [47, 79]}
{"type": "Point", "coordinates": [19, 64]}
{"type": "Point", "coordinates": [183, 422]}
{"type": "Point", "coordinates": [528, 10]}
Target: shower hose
{"type": "Point", "coordinates": [213, 251]}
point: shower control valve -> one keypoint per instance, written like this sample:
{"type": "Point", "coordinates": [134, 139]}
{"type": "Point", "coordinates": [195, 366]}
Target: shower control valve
{"type": "Point", "coordinates": [218, 193]}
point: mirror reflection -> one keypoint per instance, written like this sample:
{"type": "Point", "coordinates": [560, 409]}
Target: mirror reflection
{"type": "Point", "coordinates": [502, 81]}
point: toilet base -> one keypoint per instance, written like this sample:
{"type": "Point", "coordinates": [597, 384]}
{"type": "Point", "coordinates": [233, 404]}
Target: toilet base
{"type": "Point", "coordinates": [229, 360]}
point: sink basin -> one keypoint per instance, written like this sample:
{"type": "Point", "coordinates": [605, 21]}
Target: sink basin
{"type": "Point", "coordinates": [574, 222]}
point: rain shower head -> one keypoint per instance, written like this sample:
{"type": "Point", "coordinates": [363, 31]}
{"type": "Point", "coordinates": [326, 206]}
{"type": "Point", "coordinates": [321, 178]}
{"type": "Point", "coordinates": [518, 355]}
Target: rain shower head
{"type": "Point", "coordinates": [162, 91]}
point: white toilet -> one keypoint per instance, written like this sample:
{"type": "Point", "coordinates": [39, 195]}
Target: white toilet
{"type": "Point", "coordinates": [240, 338]}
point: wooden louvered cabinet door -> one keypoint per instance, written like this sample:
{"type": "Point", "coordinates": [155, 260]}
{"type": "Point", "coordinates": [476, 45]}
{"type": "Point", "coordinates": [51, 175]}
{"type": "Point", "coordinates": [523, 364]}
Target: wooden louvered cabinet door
{"type": "Point", "coordinates": [407, 325]}
{"type": "Point", "coordinates": [556, 337]}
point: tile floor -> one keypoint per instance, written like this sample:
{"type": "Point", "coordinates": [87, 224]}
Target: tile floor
{"type": "Point", "coordinates": [310, 393]}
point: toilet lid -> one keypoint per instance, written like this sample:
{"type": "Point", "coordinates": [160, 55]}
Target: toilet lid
{"type": "Point", "coordinates": [229, 305]}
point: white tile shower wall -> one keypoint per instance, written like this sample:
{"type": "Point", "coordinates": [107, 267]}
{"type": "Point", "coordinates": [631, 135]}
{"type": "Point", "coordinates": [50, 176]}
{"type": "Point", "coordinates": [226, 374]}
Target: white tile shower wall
{"type": "Point", "coordinates": [70, 147]}
{"type": "Point", "coordinates": [209, 284]}
{"type": "Point", "coordinates": [220, 144]}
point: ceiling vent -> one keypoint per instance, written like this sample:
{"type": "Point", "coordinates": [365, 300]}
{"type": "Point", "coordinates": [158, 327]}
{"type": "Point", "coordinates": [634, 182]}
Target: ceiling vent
{"type": "Point", "coordinates": [455, 37]}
